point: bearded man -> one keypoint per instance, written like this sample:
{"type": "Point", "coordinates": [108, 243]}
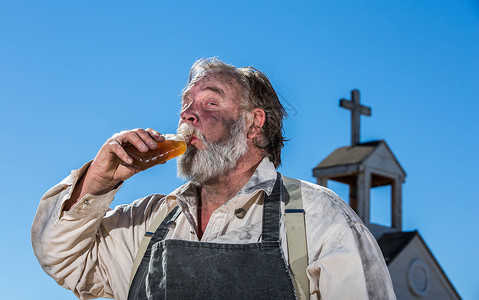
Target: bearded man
{"type": "Point", "coordinates": [223, 234]}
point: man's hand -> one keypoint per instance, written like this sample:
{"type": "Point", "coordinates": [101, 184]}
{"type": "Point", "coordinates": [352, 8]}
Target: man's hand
{"type": "Point", "coordinates": [106, 171]}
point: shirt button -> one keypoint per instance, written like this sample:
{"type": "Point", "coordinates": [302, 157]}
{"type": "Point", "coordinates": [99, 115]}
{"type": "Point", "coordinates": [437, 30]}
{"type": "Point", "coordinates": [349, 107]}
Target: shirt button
{"type": "Point", "coordinates": [86, 202]}
{"type": "Point", "coordinates": [240, 213]}
{"type": "Point", "coordinates": [171, 225]}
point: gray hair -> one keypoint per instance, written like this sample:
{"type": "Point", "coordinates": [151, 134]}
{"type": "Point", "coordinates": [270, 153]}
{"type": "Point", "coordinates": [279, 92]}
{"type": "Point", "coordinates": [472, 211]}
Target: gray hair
{"type": "Point", "coordinates": [257, 92]}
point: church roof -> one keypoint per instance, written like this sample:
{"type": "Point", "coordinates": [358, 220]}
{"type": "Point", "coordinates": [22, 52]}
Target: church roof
{"type": "Point", "coordinates": [374, 153]}
{"type": "Point", "coordinates": [349, 154]}
{"type": "Point", "coordinates": [392, 244]}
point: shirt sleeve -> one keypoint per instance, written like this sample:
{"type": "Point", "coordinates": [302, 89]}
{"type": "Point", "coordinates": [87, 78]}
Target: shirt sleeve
{"type": "Point", "coordinates": [90, 248]}
{"type": "Point", "coordinates": [345, 261]}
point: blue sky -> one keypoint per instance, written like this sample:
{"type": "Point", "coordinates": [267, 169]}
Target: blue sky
{"type": "Point", "coordinates": [74, 73]}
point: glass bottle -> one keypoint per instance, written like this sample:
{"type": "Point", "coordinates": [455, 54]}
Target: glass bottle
{"type": "Point", "coordinates": [174, 145]}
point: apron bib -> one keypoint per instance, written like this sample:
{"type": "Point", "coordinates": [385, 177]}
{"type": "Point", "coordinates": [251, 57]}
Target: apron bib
{"type": "Point", "coordinates": [179, 269]}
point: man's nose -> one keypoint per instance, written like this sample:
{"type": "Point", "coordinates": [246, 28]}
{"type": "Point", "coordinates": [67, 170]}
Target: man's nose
{"type": "Point", "coordinates": [188, 114]}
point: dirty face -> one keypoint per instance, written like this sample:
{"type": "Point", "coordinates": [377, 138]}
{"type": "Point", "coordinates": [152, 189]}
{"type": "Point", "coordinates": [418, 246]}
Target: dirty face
{"type": "Point", "coordinates": [212, 106]}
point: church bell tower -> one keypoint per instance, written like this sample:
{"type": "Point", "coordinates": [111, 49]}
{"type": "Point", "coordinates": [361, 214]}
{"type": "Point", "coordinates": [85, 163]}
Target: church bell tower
{"type": "Point", "coordinates": [363, 166]}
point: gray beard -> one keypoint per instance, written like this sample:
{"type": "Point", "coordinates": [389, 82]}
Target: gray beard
{"type": "Point", "coordinates": [217, 158]}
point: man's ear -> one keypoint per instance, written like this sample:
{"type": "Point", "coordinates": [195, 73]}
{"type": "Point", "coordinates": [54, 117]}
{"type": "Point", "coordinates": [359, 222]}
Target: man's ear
{"type": "Point", "coordinates": [257, 122]}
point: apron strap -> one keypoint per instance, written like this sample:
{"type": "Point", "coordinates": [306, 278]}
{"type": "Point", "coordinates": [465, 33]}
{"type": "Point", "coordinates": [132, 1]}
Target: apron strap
{"type": "Point", "coordinates": [146, 239]}
{"type": "Point", "coordinates": [296, 237]}
{"type": "Point", "coordinates": [272, 212]}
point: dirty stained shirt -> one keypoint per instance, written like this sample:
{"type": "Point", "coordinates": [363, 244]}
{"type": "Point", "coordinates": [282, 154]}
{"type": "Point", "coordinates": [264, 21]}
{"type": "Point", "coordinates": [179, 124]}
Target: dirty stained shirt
{"type": "Point", "coordinates": [90, 249]}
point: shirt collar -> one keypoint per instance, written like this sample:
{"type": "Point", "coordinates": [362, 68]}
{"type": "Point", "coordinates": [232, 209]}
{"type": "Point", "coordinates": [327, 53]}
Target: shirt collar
{"type": "Point", "coordinates": [263, 178]}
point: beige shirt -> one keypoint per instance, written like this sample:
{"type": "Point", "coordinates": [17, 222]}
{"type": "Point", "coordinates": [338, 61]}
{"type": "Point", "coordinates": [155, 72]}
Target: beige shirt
{"type": "Point", "coordinates": [90, 249]}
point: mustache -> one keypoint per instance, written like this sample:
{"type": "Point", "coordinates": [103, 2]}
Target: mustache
{"type": "Point", "coordinates": [196, 133]}
{"type": "Point", "coordinates": [200, 136]}
{"type": "Point", "coordinates": [191, 132]}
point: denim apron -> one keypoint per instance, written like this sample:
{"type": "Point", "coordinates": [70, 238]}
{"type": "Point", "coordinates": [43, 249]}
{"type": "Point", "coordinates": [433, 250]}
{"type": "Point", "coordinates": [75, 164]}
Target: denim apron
{"type": "Point", "coordinates": [179, 269]}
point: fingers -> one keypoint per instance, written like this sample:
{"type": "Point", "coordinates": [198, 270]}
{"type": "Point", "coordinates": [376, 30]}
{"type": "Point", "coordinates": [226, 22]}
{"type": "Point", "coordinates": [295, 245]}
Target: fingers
{"type": "Point", "coordinates": [155, 134]}
{"type": "Point", "coordinates": [119, 151]}
{"type": "Point", "coordinates": [142, 139]}
{"type": "Point", "coordinates": [149, 137]}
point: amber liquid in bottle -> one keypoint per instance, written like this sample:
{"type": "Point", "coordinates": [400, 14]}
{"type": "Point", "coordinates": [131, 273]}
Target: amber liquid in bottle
{"type": "Point", "coordinates": [173, 146]}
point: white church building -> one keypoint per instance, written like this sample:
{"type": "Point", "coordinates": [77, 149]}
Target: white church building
{"type": "Point", "coordinates": [415, 272]}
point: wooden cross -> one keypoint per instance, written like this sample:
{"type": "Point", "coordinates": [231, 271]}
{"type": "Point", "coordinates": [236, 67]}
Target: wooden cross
{"type": "Point", "coordinates": [356, 111]}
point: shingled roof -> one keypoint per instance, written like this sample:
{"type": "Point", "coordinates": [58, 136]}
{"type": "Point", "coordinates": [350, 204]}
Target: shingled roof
{"type": "Point", "coordinates": [351, 159]}
{"type": "Point", "coordinates": [349, 154]}
{"type": "Point", "coordinates": [392, 244]}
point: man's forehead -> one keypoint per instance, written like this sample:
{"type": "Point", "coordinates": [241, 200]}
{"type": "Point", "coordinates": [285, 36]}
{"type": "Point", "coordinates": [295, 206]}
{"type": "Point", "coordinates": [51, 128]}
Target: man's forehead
{"type": "Point", "coordinates": [217, 83]}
